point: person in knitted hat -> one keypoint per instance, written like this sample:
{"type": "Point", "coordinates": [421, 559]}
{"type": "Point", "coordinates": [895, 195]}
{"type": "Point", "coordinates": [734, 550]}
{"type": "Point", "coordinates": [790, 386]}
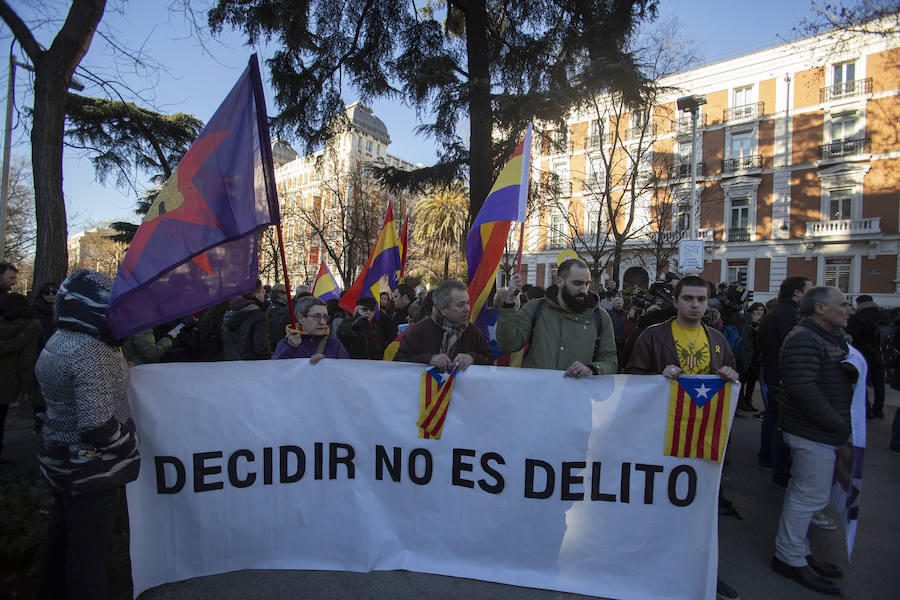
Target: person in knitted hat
{"type": "Point", "coordinates": [362, 336]}
{"type": "Point", "coordinates": [88, 447]}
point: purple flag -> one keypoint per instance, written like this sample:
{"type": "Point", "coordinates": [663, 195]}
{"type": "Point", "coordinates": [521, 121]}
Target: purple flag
{"type": "Point", "coordinates": [197, 245]}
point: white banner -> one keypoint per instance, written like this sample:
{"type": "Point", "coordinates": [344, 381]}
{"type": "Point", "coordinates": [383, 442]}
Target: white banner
{"type": "Point", "coordinates": [537, 481]}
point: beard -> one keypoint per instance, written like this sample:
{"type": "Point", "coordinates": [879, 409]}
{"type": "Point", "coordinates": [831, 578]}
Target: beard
{"type": "Point", "coordinates": [574, 302]}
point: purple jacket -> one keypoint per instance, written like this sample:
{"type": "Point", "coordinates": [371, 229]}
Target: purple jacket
{"type": "Point", "coordinates": [308, 346]}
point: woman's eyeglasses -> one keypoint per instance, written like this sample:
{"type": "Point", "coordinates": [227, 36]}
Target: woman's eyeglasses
{"type": "Point", "coordinates": [318, 317]}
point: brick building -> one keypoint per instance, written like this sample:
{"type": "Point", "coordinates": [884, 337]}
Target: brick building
{"type": "Point", "coordinates": [798, 161]}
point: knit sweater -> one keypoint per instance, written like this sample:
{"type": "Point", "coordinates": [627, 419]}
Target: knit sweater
{"type": "Point", "coordinates": [88, 443]}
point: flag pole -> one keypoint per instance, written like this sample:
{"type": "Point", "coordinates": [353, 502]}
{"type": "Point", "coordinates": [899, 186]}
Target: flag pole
{"type": "Point", "coordinates": [519, 258]}
{"type": "Point", "coordinates": [287, 282]}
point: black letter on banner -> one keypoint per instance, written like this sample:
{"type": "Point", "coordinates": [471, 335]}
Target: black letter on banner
{"type": "Point", "coordinates": [460, 466]}
{"type": "Point", "coordinates": [334, 460]}
{"type": "Point", "coordinates": [497, 487]}
{"type": "Point", "coordinates": [232, 469]}
{"type": "Point", "coordinates": [595, 485]}
{"type": "Point", "coordinates": [692, 485]}
{"type": "Point", "coordinates": [649, 475]}
{"type": "Point", "coordinates": [161, 462]}
{"type": "Point", "coordinates": [625, 492]}
{"type": "Point", "coordinates": [267, 466]}
{"type": "Point", "coordinates": [201, 471]}
{"type": "Point", "coordinates": [530, 464]}
{"type": "Point", "coordinates": [317, 460]}
{"type": "Point", "coordinates": [297, 451]}
{"type": "Point", "coordinates": [567, 480]}
{"type": "Point", "coordinates": [381, 461]}
{"type": "Point", "coordinates": [426, 476]}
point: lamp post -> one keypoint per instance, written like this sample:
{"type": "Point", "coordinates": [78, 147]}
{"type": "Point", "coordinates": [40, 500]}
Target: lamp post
{"type": "Point", "coordinates": [692, 105]}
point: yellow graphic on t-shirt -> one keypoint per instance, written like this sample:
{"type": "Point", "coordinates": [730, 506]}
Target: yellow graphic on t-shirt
{"type": "Point", "coordinates": [692, 348]}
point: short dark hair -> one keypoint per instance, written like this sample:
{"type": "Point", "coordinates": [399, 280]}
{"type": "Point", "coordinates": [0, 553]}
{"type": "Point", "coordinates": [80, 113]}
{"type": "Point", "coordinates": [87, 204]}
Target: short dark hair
{"type": "Point", "coordinates": [5, 266]}
{"type": "Point", "coordinates": [690, 280]}
{"type": "Point", "coordinates": [307, 302]}
{"type": "Point", "coordinates": [864, 298]}
{"type": "Point", "coordinates": [817, 295]}
{"type": "Point", "coordinates": [566, 266]}
{"type": "Point", "coordinates": [791, 285]}
{"type": "Point", "coordinates": [404, 289]}
{"type": "Point", "coordinates": [441, 295]}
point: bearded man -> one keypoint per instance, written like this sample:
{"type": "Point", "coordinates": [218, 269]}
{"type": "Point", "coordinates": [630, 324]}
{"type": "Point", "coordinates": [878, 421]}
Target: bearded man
{"type": "Point", "coordinates": [565, 330]}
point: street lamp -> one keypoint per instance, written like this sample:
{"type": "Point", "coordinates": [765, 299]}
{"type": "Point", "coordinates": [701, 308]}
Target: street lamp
{"type": "Point", "coordinates": [692, 105]}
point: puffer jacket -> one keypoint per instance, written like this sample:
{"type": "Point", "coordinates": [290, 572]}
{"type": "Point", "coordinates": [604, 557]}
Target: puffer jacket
{"type": "Point", "coordinates": [18, 350]}
{"type": "Point", "coordinates": [816, 388]}
{"type": "Point", "coordinates": [142, 348]}
{"type": "Point", "coordinates": [245, 332]}
{"type": "Point", "coordinates": [560, 337]}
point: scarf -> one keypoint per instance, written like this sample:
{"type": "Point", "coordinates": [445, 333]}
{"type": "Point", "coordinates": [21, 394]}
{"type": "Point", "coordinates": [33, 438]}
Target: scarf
{"type": "Point", "coordinates": [452, 333]}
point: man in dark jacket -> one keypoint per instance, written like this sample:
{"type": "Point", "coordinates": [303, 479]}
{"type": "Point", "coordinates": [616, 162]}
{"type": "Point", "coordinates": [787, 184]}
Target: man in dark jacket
{"type": "Point", "coordinates": [863, 328]}
{"type": "Point", "coordinates": [618, 316]}
{"type": "Point", "coordinates": [814, 414]}
{"type": "Point", "coordinates": [362, 336]}
{"type": "Point", "coordinates": [401, 297]}
{"type": "Point", "coordinates": [446, 337]}
{"type": "Point", "coordinates": [277, 315]}
{"type": "Point", "coordinates": [245, 332]}
{"type": "Point", "coordinates": [773, 328]}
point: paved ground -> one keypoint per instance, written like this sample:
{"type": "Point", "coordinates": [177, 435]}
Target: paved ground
{"type": "Point", "coordinates": [745, 545]}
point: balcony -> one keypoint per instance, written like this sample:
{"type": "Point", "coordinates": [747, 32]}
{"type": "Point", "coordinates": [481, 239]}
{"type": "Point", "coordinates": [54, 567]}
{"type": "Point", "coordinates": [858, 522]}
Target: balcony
{"type": "Point", "coordinates": [593, 142]}
{"type": "Point", "coordinates": [847, 89]}
{"type": "Point", "coordinates": [741, 163]}
{"type": "Point", "coordinates": [634, 133]}
{"type": "Point", "coordinates": [739, 234]}
{"type": "Point", "coordinates": [683, 123]}
{"type": "Point", "coordinates": [560, 189]}
{"type": "Point", "coordinates": [843, 227]}
{"type": "Point", "coordinates": [842, 148]}
{"type": "Point", "coordinates": [683, 169]}
{"type": "Point", "coordinates": [745, 111]}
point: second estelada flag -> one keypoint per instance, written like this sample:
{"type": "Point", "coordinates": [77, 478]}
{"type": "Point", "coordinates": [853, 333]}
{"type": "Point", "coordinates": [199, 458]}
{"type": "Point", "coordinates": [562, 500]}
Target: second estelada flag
{"type": "Point", "coordinates": [197, 245]}
{"type": "Point", "coordinates": [698, 417]}
{"type": "Point", "coordinates": [435, 389]}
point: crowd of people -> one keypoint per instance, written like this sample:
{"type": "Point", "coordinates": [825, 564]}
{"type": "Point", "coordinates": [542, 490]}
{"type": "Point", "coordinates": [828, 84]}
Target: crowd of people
{"type": "Point", "coordinates": [807, 350]}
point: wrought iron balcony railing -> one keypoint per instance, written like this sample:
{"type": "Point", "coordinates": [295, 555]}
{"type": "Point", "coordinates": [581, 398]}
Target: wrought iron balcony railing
{"type": "Point", "coordinates": [745, 111]}
{"type": "Point", "coordinates": [683, 169]}
{"type": "Point", "coordinates": [739, 234]}
{"type": "Point", "coordinates": [557, 188]}
{"type": "Point", "coordinates": [593, 142]}
{"type": "Point", "coordinates": [742, 163]}
{"type": "Point", "coordinates": [846, 89]}
{"type": "Point", "coordinates": [641, 130]}
{"type": "Point", "coordinates": [843, 148]}
{"type": "Point", "coordinates": [843, 227]}
{"type": "Point", "coordinates": [683, 123]}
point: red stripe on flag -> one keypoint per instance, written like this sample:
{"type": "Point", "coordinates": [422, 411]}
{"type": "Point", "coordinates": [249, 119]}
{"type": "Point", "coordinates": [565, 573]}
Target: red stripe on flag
{"type": "Point", "coordinates": [444, 390]}
{"type": "Point", "coordinates": [689, 450]}
{"type": "Point", "coordinates": [676, 427]}
{"type": "Point", "coordinates": [492, 252]}
{"type": "Point", "coordinates": [717, 425]}
{"type": "Point", "coordinates": [704, 425]}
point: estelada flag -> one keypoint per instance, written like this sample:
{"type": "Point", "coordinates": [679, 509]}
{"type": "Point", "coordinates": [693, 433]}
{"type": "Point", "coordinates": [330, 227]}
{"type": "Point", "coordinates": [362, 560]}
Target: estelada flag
{"type": "Point", "coordinates": [698, 418]}
{"type": "Point", "coordinates": [487, 238]}
{"type": "Point", "coordinates": [383, 260]}
{"type": "Point", "coordinates": [434, 400]}
{"type": "Point", "coordinates": [325, 287]}
{"type": "Point", "coordinates": [197, 245]}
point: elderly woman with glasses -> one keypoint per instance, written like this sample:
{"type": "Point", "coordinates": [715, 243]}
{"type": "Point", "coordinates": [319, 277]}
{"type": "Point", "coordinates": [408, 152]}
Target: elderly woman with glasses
{"type": "Point", "coordinates": [311, 339]}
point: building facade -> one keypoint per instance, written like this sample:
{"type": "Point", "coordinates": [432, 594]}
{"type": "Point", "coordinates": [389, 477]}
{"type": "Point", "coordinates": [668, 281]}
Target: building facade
{"type": "Point", "coordinates": [329, 199]}
{"type": "Point", "coordinates": [798, 150]}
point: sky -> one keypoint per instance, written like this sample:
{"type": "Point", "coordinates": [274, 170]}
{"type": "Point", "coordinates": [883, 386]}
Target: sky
{"type": "Point", "coordinates": [195, 79]}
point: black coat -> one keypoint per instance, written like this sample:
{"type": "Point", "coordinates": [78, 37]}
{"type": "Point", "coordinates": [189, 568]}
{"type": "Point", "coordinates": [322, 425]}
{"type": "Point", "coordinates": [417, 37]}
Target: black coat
{"type": "Point", "coordinates": [816, 391]}
{"type": "Point", "coordinates": [245, 332]}
{"type": "Point", "coordinates": [773, 329]}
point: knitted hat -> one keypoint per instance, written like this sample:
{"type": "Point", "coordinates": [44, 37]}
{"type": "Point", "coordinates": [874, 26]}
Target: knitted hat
{"type": "Point", "coordinates": [367, 302]}
{"type": "Point", "coordinates": [81, 304]}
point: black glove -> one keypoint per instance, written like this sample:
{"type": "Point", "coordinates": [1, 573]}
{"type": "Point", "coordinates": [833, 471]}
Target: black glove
{"type": "Point", "coordinates": [360, 323]}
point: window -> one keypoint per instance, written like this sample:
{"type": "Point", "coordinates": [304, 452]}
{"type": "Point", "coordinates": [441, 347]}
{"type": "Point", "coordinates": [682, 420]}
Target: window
{"type": "Point", "coordinates": [557, 231]}
{"type": "Point", "coordinates": [837, 273]}
{"type": "Point", "coordinates": [314, 255]}
{"type": "Point", "coordinates": [840, 204]}
{"type": "Point", "coordinates": [359, 143]}
{"type": "Point", "coordinates": [738, 271]}
{"type": "Point", "coordinates": [594, 136]}
{"type": "Point", "coordinates": [640, 118]}
{"type": "Point", "coordinates": [560, 139]}
{"type": "Point", "coordinates": [743, 102]}
{"type": "Point", "coordinates": [844, 78]}
{"type": "Point", "coordinates": [561, 172]}
{"type": "Point", "coordinates": [368, 146]}
{"type": "Point", "coordinates": [742, 144]}
{"type": "Point", "coordinates": [739, 225]}
{"type": "Point", "coordinates": [596, 173]}
{"type": "Point", "coordinates": [592, 222]}
{"type": "Point", "coordinates": [683, 217]}
{"type": "Point", "coordinates": [843, 127]}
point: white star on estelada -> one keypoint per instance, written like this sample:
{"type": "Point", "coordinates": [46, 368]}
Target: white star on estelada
{"type": "Point", "coordinates": [703, 391]}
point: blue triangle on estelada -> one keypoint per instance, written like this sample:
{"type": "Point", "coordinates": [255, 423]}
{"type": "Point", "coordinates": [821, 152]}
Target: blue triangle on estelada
{"type": "Point", "coordinates": [440, 376]}
{"type": "Point", "coordinates": [702, 388]}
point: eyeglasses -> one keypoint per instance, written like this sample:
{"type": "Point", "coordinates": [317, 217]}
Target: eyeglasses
{"type": "Point", "coordinates": [316, 316]}
{"type": "Point", "coordinates": [50, 292]}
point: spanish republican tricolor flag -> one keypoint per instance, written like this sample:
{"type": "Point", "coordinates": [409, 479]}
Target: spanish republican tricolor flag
{"type": "Point", "coordinates": [434, 400]}
{"type": "Point", "coordinates": [487, 238]}
{"type": "Point", "coordinates": [384, 260]}
{"type": "Point", "coordinates": [325, 288]}
{"type": "Point", "coordinates": [700, 411]}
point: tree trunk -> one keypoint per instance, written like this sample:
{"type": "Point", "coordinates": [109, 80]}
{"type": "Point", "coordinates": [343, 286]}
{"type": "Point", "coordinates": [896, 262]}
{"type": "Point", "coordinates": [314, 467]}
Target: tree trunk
{"type": "Point", "coordinates": [617, 258]}
{"type": "Point", "coordinates": [446, 265]}
{"type": "Point", "coordinates": [480, 113]}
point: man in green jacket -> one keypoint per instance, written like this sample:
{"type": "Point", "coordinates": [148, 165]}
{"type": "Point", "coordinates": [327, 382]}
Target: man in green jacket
{"type": "Point", "coordinates": [567, 335]}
